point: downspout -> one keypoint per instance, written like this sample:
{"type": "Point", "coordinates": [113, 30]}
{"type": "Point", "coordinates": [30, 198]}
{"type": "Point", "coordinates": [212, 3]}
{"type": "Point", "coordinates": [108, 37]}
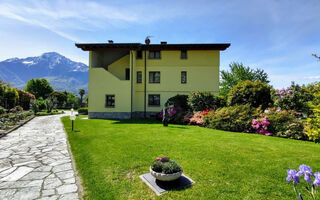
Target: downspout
{"type": "Point", "coordinates": [131, 83]}
{"type": "Point", "coordinates": [145, 82]}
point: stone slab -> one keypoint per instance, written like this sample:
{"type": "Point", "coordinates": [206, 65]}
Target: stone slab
{"type": "Point", "coordinates": [161, 187]}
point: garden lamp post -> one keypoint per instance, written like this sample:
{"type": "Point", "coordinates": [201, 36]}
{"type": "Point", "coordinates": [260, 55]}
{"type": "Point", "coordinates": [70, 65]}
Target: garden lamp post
{"type": "Point", "coordinates": [72, 117]}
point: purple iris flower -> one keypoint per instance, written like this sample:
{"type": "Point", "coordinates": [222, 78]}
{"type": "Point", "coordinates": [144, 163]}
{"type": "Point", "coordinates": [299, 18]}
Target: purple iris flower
{"type": "Point", "coordinates": [307, 171]}
{"type": "Point", "coordinates": [317, 179]}
{"type": "Point", "coordinates": [292, 175]}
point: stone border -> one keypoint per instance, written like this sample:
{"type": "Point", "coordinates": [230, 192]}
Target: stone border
{"type": "Point", "coordinates": [76, 174]}
{"type": "Point", "coordinates": [16, 127]}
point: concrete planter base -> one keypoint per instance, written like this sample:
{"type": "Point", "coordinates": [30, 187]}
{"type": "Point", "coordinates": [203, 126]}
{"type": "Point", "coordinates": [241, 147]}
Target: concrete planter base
{"type": "Point", "coordinates": [165, 177]}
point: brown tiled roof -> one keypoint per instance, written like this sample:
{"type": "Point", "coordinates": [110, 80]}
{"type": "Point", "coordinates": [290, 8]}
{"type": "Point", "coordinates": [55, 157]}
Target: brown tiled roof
{"type": "Point", "coordinates": [139, 46]}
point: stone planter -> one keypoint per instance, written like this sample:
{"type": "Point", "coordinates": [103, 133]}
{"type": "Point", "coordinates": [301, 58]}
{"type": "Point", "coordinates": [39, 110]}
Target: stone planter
{"type": "Point", "coordinates": [165, 177]}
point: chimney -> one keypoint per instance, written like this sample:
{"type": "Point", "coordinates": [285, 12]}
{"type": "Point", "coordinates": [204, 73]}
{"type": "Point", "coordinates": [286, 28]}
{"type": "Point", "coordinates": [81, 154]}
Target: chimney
{"type": "Point", "coordinates": [163, 43]}
{"type": "Point", "coordinates": [110, 41]}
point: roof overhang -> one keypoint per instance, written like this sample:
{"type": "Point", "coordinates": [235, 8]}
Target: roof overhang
{"type": "Point", "coordinates": [139, 46]}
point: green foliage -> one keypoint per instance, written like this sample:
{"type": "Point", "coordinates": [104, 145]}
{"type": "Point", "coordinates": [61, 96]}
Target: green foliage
{"type": "Point", "coordinates": [284, 123]}
{"type": "Point", "coordinates": [39, 87]}
{"type": "Point", "coordinates": [41, 103]}
{"type": "Point", "coordinates": [61, 98]}
{"type": "Point", "coordinates": [81, 93]}
{"type": "Point", "coordinates": [166, 166]}
{"type": "Point", "coordinates": [51, 103]}
{"type": "Point", "coordinates": [171, 168]}
{"type": "Point", "coordinates": [312, 128]}
{"type": "Point", "coordinates": [254, 93]}
{"type": "Point", "coordinates": [11, 97]}
{"type": "Point", "coordinates": [201, 100]}
{"type": "Point", "coordinates": [236, 118]}
{"type": "Point", "coordinates": [72, 101]}
{"type": "Point", "coordinates": [2, 110]}
{"type": "Point", "coordinates": [83, 111]}
{"type": "Point", "coordinates": [178, 101]}
{"type": "Point", "coordinates": [295, 97]}
{"type": "Point", "coordinates": [34, 106]}
{"type": "Point", "coordinates": [25, 98]}
{"type": "Point", "coordinates": [238, 73]}
{"type": "Point", "coordinates": [10, 119]}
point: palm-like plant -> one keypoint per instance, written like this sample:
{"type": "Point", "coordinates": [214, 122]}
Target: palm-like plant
{"type": "Point", "coordinates": [81, 93]}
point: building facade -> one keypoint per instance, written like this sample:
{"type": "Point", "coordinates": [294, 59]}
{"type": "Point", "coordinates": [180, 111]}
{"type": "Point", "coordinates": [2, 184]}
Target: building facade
{"type": "Point", "coordinates": [133, 80]}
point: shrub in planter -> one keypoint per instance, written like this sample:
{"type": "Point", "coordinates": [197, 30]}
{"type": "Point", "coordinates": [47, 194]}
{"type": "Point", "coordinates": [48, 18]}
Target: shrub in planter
{"type": "Point", "coordinates": [284, 123]}
{"type": "Point", "coordinates": [83, 111]}
{"type": "Point", "coordinates": [236, 118]}
{"type": "Point", "coordinates": [201, 100]}
{"type": "Point", "coordinates": [165, 169]}
{"type": "Point", "coordinates": [254, 93]}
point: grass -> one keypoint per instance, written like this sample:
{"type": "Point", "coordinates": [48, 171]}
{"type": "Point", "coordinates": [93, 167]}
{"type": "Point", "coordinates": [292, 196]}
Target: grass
{"type": "Point", "coordinates": [53, 112]}
{"type": "Point", "coordinates": [110, 155]}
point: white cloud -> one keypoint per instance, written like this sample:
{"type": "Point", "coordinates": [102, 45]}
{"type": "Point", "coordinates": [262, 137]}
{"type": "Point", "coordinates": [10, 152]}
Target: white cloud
{"type": "Point", "coordinates": [312, 77]}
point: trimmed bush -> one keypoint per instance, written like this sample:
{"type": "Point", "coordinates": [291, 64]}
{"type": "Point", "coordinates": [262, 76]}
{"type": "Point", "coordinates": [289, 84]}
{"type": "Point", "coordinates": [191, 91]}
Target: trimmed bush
{"type": "Point", "coordinates": [25, 98]}
{"type": "Point", "coordinates": [200, 100]}
{"type": "Point", "coordinates": [178, 101]}
{"type": "Point", "coordinates": [254, 93]}
{"type": "Point", "coordinates": [2, 110]}
{"type": "Point", "coordinates": [236, 118]}
{"type": "Point", "coordinates": [83, 111]}
{"type": "Point", "coordinates": [284, 123]}
{"type": "Point", "coordinates": [11, 97]}
{"type": "Point", "coordinates": [295, 98]}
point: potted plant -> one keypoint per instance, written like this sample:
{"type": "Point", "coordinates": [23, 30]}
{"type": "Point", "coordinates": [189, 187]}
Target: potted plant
{"type": "Point", "coordinates": [164, 169]}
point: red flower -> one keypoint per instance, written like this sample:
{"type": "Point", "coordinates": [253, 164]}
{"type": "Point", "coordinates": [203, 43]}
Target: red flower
{"type": "Point", "coordinates": [205, 112]}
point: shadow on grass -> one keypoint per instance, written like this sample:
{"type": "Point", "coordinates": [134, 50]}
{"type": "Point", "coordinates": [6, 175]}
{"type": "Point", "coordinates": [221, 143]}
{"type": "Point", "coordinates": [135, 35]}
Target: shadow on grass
{"type": "Point", "coordinates": [136, 121]}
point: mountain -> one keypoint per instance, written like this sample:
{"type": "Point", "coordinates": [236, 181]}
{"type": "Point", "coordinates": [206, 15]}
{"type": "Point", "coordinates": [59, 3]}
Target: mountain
{"type": "Point", "coordinates": [61, 72]}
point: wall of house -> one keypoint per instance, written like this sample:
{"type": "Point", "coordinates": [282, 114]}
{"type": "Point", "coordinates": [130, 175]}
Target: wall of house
{"type": "Point", "coordinates": [102, 82]}
{"type": "Point", "coordinates": [202, 74]}
{"type": "Point", "coordinates": [202, 69]}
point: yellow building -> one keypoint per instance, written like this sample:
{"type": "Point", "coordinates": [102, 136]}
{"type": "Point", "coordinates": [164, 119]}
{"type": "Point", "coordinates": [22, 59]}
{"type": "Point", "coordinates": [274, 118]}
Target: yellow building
{"type": "Point", "coordinates": [133, 80]}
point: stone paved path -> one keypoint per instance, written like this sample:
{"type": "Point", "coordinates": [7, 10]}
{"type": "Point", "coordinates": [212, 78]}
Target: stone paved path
{"type": "Point", "coordinates": [35, 162]}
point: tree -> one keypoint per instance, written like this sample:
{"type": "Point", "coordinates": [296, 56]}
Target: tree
{"type": "Point", "coordinates": [72, 101]}
{"type": "Point", "coordinates": [39, 87]}
{"type": "Point", "coordinates": [316, 56]}
{"type": "Point", "coordinates": [61, 97]}
{"type": "Point", "coordinates": [51, 103]}
{"type": "Point", "coordinates": [81, 93]}
{"type": "Point", "coordinates": [239, 73]}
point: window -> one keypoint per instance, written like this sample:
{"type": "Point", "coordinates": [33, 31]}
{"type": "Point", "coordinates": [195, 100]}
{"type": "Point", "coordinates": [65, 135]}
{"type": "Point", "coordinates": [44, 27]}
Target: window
{"type": "Point", "coordinates": [154, 77]}
{"type": "Point", "coordinates": [127, 74]}
{"type": "Point", "coordinates": [139, 77]}
{"type": "Point", "coordinates": [154, 100]}
{"type": "Point", "coordinates": [110, 99]}
{"type": "Point", "coordinates": [183, 54]}
{"type": "Point", "coordinates": [183, 77]}
{"type": "Point", "coordinates": [139, 54]}
{"type": "Point", "coordinates": [154, 55]}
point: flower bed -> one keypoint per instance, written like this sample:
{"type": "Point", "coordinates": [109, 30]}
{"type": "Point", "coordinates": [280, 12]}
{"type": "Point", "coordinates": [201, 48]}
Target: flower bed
{"type": "Point", "coordinates": [9, 120]}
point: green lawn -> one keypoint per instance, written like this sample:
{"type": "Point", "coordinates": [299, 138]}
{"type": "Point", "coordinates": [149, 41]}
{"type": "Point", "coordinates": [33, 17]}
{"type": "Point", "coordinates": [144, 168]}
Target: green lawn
{"type": "Point", "coordinates": [110, 155]}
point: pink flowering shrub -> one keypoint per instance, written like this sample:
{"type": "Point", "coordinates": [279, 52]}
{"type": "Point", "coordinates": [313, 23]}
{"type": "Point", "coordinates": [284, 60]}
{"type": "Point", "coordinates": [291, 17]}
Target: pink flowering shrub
{"type": "Point", "coordinates": [261, 125]}
{"type": "Point", "coordinates": [196, 119]}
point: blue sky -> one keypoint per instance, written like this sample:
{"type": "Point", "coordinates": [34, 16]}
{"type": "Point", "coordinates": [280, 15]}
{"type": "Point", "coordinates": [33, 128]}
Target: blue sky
{"type": "Point", "coordinates": [277, 36]}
